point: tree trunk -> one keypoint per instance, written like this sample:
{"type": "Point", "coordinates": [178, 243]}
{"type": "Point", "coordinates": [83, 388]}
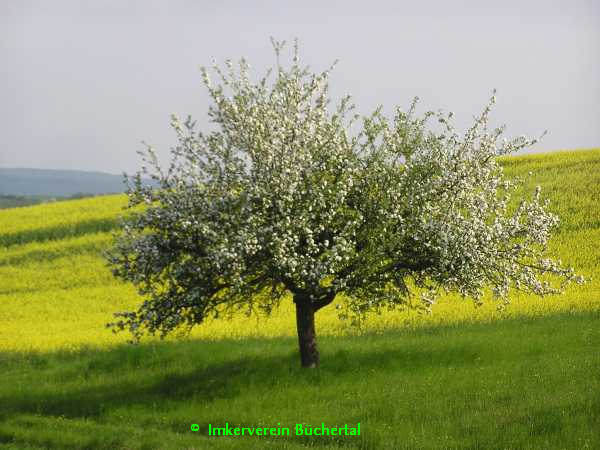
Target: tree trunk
{"type": "Point", "coordinates": [307, 338]}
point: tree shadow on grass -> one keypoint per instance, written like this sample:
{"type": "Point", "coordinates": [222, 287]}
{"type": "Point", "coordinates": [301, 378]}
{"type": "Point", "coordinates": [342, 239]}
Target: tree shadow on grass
{"type": "Point", "coordinates": [90, 399]}
{"type": "Point", "coordinates": [92, 383]}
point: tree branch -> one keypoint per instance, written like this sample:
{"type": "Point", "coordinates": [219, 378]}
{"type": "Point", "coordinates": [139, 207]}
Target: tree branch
{"type": "Point", "coordinates": [324, 300]}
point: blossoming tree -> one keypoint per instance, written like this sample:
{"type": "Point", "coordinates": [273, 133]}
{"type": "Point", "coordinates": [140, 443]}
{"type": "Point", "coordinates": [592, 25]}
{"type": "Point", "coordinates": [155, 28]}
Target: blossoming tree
{"type": "Point", "coordinates": [281, 198]}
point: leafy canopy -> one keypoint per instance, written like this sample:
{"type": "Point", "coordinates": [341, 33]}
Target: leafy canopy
{"type": "Point", "coordinates": [282, 197]}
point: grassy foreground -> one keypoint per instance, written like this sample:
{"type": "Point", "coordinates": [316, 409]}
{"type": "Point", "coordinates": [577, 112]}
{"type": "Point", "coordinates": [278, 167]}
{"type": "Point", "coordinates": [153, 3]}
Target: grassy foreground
{"type": "Point", "coordinates": [523, 383]}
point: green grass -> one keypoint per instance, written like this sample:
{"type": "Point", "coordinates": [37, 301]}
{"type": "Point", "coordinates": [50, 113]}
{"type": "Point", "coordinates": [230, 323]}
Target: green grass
{"type": "Point", "coordinates": [462, 377]}
{"type": "Point", "coordinates": [519, 383]}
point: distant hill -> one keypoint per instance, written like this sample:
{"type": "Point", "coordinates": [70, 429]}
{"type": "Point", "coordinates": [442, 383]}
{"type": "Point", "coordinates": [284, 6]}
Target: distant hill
{"type": "Point", "coordinates": [58, 183]}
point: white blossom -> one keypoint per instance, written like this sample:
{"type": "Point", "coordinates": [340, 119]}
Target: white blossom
{"type": "Point", "coordinates": [283, 197]}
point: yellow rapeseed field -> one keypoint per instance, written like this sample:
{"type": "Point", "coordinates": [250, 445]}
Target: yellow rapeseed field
{"type": "Point", "coordinates": [56, 291]}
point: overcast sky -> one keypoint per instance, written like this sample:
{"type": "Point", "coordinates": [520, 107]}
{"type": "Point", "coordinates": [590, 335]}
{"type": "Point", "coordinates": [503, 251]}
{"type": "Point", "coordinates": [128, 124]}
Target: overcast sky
{"type": "Point", "coordinates": [83, 82]}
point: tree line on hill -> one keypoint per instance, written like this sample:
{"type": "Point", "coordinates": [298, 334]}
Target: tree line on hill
{"type": "Point", "coordinates": [15, 201]}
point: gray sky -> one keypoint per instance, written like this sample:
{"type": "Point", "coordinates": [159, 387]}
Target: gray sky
{"type": "Point", "coordinates": [83, 82]}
